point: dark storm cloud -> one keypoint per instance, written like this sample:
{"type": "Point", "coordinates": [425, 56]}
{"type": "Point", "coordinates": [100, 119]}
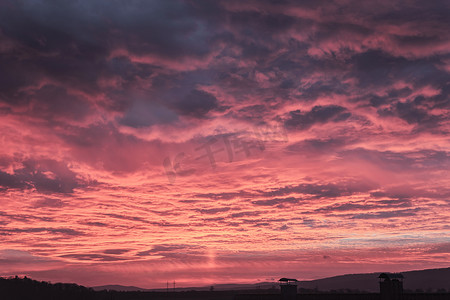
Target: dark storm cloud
{"type": "Point", "coordinates": [374, 68]}
{"type": "Point", "coordinates": [324, 88]}
{"type": "Point", "coordinates": [329, 190]}
{"type": "Point", "coordinates": [87, 31]}
{"type": "Point", "coordinates": [97, 224]}
{"type": "Point", "coordinates": [317, 115]}
{"type": "Point", "coordinates": [369, 205]}
{"type": "Point", "coordinates": [225, 195]}
{"type": "Point", "coordinates": [213, 211]}
{"type": "Point", "coordinates": [196, 104]}
{"type": "Point", "coordinates": [321, 146]}
{"type": "Point", "coordinates": [410, 12]}
{"type": "Point", "coordinates": [309, 190]}
{"type": "Point", "coordinates": [71, 44]}
{"type": "Point", "coordinates": [116, 251]}
{"type": "Point", "coordinates": [52, 101]}
{"type": "Point", "coordinates": [245, 214]}
{"type": "Point", "coordinates": [398, 194]}
{"type": "Point", "coordinates": [62, 231]}
{"type": "Point", "coordinates": [92, 257]}
{"type": "Point", "coordinates": [328, 30]}
{"type": "Point", "coordinates": [24, 218]}
{"type": "Point", "coordinates": [388, 214]}
{"type": "Point", "coordinates": [401, 161]}
{"type": "Point", "coordinates": [345, 207]}
{"type": "Point", "coordinates": [416, 40]}
{"type": "Point", "coordinates": [128, 218]}
{"type": "Point", "coordinates": [276, 201]}
{"type": "Point", "coordinates": [390, 98]}
{"type": "Point", "coordinates": [49, 202]}
{"type": "Point", "coordinates": [8, 181]}
{"type": "Point", "coordinates": [45, 175]}
{"type": "Point", "coordinates": [259, 21]}
{"type": "Point", "coordinates": [147, 113]}
{"type": "Point", "coordinates": [413, 113]}
{"type": "Point", "coordinates": [173, 251]}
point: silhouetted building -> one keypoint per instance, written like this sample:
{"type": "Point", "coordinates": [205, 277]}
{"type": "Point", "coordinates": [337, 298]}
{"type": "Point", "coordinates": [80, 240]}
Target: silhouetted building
{"type": "Point", "coordinates": [391, 286]}
{"type": "Point", "coordinates": [288, 288]}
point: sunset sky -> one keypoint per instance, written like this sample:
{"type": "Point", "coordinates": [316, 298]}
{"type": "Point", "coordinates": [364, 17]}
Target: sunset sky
{"type": "Point", "coordinates": [209, 142]}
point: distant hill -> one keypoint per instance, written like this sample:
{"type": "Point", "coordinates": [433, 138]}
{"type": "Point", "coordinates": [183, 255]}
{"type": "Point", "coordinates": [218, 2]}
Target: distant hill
{"type": "Point", "coordinates": [116, 287]}
{"type": "Point", "coordinates": [433, 279]}
{"type": "Point", "coordinates": [423, 279]}
{"type": "Point", "coordinates": [119, 288]}
{"type": "Point", "coordinates": [217, 287]}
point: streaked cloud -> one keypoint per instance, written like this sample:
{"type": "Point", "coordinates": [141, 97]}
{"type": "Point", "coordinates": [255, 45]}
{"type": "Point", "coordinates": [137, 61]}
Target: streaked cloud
{"type": "Point", "coordinates": [222, 141]}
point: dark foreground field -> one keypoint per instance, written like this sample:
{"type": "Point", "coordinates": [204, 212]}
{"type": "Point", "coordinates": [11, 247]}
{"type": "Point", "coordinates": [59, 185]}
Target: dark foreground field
{"type": "Point", "coordinates": [28, 289]}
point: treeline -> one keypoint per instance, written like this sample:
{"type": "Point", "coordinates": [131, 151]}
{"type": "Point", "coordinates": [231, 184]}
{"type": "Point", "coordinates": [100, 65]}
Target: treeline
{"type": "Point", "coordinates": [26, 288]}
{"type": "Point", "coordinates": [16, 288]}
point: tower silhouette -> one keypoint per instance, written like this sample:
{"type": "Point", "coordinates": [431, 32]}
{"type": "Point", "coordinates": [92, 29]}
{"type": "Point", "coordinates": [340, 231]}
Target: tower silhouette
{"type": "Point", "coordinates": [391, 286]}
{"type": "Point", "coordinates": [288, 288]}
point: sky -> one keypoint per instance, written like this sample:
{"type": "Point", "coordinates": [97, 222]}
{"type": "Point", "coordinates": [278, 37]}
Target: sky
{"type": "Point", "coordinates": [209, 142]}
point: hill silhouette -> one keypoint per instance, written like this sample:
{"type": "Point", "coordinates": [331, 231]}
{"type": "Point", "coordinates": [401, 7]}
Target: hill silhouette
{"type": "Point", "coordinates": [26, 288]}
{"type": "Point", "coordinates": [347, 286]}
{"type": "Point", "coordinates": [425, 280]}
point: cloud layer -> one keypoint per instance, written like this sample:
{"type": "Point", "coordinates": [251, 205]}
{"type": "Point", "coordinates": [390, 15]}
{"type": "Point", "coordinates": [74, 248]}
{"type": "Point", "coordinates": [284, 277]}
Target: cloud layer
{"type": "Point", "coordinates": [222, 141]}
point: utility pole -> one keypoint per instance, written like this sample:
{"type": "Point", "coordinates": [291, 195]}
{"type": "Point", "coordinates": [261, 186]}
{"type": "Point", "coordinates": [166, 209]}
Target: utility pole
{"type": "Point", "coordinates": [174, 285]}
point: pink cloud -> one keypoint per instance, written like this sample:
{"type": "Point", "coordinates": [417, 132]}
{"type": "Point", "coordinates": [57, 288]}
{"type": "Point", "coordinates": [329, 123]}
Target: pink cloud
{"type": "Point", "coordinates": [228, 142]}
